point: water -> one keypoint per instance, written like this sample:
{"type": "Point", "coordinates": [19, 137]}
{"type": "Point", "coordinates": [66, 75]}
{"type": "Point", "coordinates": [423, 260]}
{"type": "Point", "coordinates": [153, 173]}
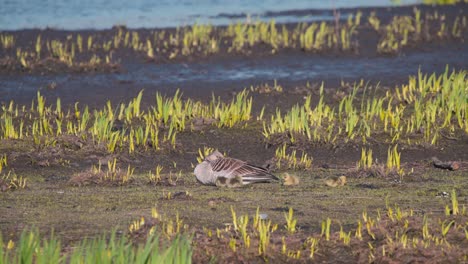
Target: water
{"type": "Point", "coordinates": [101, 14]}
{"type": "Point", "coordinates": [230, 75]}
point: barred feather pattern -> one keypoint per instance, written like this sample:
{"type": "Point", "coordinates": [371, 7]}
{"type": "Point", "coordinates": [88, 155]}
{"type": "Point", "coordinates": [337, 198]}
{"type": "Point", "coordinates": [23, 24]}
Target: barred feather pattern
{"type": "Point", "coordinates": [216, 166]}
{"type": "Point", "coordinates": [231, 168]}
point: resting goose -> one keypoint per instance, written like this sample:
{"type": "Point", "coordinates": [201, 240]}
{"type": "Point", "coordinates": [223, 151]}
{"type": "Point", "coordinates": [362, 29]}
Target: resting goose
{"type": "Point", "coordinates": [223, 171]}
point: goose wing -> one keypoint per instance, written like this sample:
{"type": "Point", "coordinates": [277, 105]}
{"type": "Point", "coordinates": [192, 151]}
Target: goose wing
{"type": "Point", "coordinates": [254, 174]}
{"type": "Point", "coordinates": [226, 167]}
{"type": "Point", "coordinates": [231, 168]}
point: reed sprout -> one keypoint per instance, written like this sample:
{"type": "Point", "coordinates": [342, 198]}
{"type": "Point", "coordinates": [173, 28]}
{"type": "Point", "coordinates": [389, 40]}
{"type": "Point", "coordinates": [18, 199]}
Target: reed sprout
{"type": "Point", "coordinates": [393, 160]}
{"type": "Point", "coordinates": [366, 160]}
{"type": "Point", "coordinates": [422, 111]}
{"type": "Point", "coordinates": [290, 221]}
{"type": "Point", "coordinates": [3, 162]}
{"type": "Point", "coordinates": [428, 103]}
{"type": "Point", "coordinates": [326, 225]}
{"type": "Point", "coordinates": [291, 161]}
{"type": "Point", "coordinates": [8, 41]}
{"type": "Point", "coordinates": [241, 37]}
{"type": "Point", "coordinates": [156, 177]}
{"type": "Point", "coordinates": [203, 153]}
{"type": "Point", "coordinates": [12, 182]}
{"type": "Point", "coordinates": [395, 231]}
{"type": "Point", "coordinates": [404, 30]}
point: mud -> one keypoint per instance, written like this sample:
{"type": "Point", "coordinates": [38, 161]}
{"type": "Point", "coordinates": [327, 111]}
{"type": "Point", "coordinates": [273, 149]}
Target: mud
{"type": "Point", "coordinates": [56, 197]}
{"type": "Point", "coordinates": [199, 75]}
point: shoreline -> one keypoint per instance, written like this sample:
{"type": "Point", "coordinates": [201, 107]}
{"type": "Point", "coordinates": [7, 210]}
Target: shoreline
{"type": "Point", "coordinates": [384, 11]}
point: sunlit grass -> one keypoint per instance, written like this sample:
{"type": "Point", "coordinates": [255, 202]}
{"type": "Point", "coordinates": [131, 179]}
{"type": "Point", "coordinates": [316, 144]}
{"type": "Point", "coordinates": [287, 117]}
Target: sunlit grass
{"type": "Point", "coordinates": [433, 104]}
{"type": "Point", "coordinates": [10, 182]}
{"type": "Point", "coordinates": [31, 248]}
{"type": "Point", "coordinates": [94, 52]}
{"type": "Point", "coordinates": [377, 236]}
{"type": "Point", "coordinates": [155, 128]}
{"type": "Point", "coordinates": [403, 31]}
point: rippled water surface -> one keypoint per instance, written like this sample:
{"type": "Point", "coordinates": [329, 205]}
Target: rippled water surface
{"type": "Point", "coordinates": [99, 14]}
{"type": "Point", "coordinates": [232, 74]}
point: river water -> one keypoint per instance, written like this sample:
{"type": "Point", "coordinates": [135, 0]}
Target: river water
{"type": "Point", "coordinates": [101, 14]}
{"type": "Point", "coordinates": [195, 78]}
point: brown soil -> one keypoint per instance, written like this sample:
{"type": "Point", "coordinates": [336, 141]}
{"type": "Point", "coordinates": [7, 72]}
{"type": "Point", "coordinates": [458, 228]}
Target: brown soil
{"type": "Point", "coordinates": [199, 74]}
{"type": "Point", "coordinates": [63, 194]}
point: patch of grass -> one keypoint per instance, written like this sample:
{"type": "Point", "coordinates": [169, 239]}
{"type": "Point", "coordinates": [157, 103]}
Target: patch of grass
{"type": "Point", "coordinates": [98, 52]}
{"type": "Point", "coordinates": [31, 248]}
{"type": "Point", "coordinates": [66, 208]}
{"type": "Point", "coordinates": [385, 236]}
{"type": "Point", "coordinates": [138, 130]}
{"type": "Point", "coordinates": [96, 175]}
{"type": "Point", "coordinates": [404, 31]}
{"type": "Point", "coordinates": [11, 182]}
{"type": "Point", "coordinates": [433, 104]}
{"type": "Point", "coordinates": [291, 161]}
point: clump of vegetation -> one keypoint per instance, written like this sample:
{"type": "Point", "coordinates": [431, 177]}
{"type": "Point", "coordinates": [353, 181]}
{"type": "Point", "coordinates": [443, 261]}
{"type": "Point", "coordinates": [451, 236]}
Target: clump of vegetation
{"type": "Point", "coordinates": [104, 52]}
{"type": "Point", "coordinates": [267, 88]}
{"type": "Point", "coordinates": [417, 113]}
{"type": "Point", "coordinates": [155, 178]}
{"type": "Point", "coordinates": [315, 37]}
{"type": "Point", "coordinates": [303, 121]}
{"type": "Point", "coordinates": [389, 235]}
{"type": "Point", "coordinates": [3, 162]}
{"type": "Point", "coordinates": [31, 248]}
{"type": "Point", "coordinates": [11, 182]}
{"type": "Point", "coordinates": [126, 127]}
{"type": "Point", "coordinates": [96, 175]}
{"type": "Point", "coordinates": [421, 112]}
{"type": "Point", "coordinates": [7, 41]}
{"type": "Point", "coordinates": [404, 31]}
{"type": "Point", "coordinates": [203, 153]}
{"type": "Point", "coordinates": [323, 36]}
{"type": "Point", "coordinates": [167, 226]}
{"type": "Point", "coordinates": [291, 161]}
{"type": "Point", "coordinates": [442, 2]}
{"type": "Point", "coordinates": [367, 167]}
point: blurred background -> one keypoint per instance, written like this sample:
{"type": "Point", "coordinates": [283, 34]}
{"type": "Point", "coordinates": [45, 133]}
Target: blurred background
{"type": "Point", "coordinates": [102, 14]}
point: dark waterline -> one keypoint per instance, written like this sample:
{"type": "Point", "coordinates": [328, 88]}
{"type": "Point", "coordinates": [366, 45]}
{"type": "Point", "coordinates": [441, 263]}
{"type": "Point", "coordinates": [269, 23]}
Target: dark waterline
{"type": "Point", "coordinates": [235, 74]}
{"type": "Point", "coordinates": [101, 14]}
